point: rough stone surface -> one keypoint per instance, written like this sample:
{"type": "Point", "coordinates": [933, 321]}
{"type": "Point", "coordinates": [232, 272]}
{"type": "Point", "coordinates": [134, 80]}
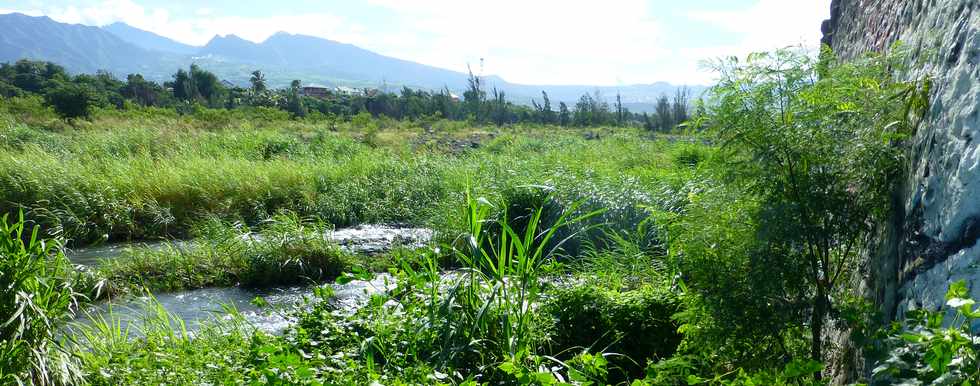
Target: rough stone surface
{"type": "Point", "coordinates": [932, 240]}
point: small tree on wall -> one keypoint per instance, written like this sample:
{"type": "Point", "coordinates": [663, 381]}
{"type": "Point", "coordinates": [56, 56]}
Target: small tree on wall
{"type": "Point", "coordinates": [810, 153]}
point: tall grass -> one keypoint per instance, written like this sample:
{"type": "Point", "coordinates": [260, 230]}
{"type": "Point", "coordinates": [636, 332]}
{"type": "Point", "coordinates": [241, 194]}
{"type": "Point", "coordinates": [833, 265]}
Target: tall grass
{"type": "Point", "coordinates": [141, 175]}
{"type": "Point", "coordinates": [160, 350]}
{"type": "Point", "coordinates": [485, 316]}
{"type": "Point", "coordinates": [36, 298]}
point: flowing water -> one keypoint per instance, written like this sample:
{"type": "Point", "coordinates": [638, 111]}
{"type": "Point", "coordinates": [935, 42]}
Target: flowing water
{"type": "Point", "coordinates": [200, 305]}
{"type": "Point", "coordinates": [195, 307]}
{"type": "Point", "coordinates": [363, 239]}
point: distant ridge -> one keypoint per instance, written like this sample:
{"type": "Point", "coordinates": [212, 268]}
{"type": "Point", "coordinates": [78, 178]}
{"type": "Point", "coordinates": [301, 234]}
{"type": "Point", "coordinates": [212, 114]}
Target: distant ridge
{"type": "Point", "coordinates": [149, 40]}
{"type": "Point", "coordinates": [123, 49]}
{"type": "Point", "coordinates": [78, 47]}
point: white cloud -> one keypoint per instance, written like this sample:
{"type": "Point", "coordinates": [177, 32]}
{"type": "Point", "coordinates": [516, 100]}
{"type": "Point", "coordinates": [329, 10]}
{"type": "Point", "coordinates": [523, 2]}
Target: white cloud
{"type": "Point", "coordinates": [546, 41]}
{"type": "Point", "coordinates": [572, 41]}
{"type": "Point", "coordinates": [767, 25]}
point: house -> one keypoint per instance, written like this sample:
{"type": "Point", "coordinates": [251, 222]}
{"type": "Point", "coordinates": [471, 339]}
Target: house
{"type": "Point", "coordinates": [315, 90]}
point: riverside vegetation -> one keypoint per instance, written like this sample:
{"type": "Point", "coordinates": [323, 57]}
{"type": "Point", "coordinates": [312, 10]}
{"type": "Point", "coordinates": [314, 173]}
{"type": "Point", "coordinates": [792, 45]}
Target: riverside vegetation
{"type": "Point", "coordinates": [581, 256]}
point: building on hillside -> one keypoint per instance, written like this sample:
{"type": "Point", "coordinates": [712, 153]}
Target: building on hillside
{"type": "Point", "coordinates": [344, 90]}
{"type": "Point", "coordinates": [315, 90]}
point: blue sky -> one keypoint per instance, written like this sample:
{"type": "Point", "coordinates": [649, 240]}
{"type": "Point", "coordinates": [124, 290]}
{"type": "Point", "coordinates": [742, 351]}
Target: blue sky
{"type": "Point", "coordinates": [610, 42]}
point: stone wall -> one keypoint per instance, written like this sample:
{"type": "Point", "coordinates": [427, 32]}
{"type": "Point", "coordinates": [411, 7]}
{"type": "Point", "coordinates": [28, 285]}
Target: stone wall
{"type": "Point", "coordinates": [932, 240]}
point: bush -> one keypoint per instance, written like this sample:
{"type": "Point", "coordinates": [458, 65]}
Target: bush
{"type": "Point", "coordinates": [637, 324]}
{"type": "Point", "coordinates": [690, 155]}
{"type": "Point", "coordinates": [71, 101]}
{"type": "Point", "coordinates": [812, 153]}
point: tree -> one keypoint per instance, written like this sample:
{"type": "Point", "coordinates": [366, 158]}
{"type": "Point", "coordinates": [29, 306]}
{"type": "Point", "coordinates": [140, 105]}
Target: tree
{"type": "Point", "coordinates": [811, 160]}
{"type": "Point", "coordinates": [619, 110]}
{"type": "Point", "coordinates": [474, 96]}
{"type": "Point", "coordinates": [106, 88]}
{"type": "Point", "coordinates": [34, 76]}
{"type": "Point", "coordinates": [564, 116]}
{"type": "Point", "coordinates": [583, 110]}
{"type": "Point", "coordinates": [183, 86]}
{"type": "Point", "coordinates": [197, 85]}
{"type": "Point", "coordinates": [207, 85]}
{"type": "Point", "coordinates": [142, 91]}
{"type": "Point", "coordinates": [499, 109]}
{"type": "Point", "coordinates": [680, 105]}
{"type": "Point", "coordinates": [664, 111]}
{"type": "Point", "coordinates": [648, 123]}
{"type": "Point", "coordinates": [294, 101]}
{"type": "Point", "coordinates": [543, 112]}
{"type": "Point", "coordinates": [71, 101]}
{"type": "Point", "coordinates": [258, 81]}
{"type": "Point", "coordinates": [600, 109]}
{"type": "Point", "coordinates": [8, 90]}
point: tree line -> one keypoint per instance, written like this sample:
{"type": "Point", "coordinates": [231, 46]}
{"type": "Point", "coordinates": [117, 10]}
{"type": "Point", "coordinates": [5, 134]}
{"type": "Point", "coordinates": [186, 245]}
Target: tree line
{"type": "Point", "coordinates": [74, 96]}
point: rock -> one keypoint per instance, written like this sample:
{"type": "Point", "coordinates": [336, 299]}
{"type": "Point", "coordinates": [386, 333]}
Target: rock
{"type": "Point", "coordinates": [932, 240]}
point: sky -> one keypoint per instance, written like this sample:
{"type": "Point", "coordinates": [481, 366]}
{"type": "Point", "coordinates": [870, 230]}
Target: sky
{"type": "Point", "coordinates": [611, 42]}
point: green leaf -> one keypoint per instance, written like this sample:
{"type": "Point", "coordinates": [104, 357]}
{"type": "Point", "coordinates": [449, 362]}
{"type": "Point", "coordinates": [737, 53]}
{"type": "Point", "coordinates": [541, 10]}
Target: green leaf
{"type": "Point", "coordinates": [957, 290]}
{"type": "Point", "coordinates": [508, 367]}
{"type": "Point", "coordinates": [799, 368]}
{"type": "Point", "coordinates": [345, 278]}
{"type": "Point", "coordinates": [545, 378]}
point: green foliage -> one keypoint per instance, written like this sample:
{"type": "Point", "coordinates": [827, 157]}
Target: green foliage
{"type": "Point", "coordinates": [198, 86]}
{"type": "Point", "coordinates": [690, 155]}
{"type": "Point", "coordinates": [670, 113]}
{"type": "Point", "coordinates": [500, 279]}
{"type": "Point", "coordinates": [934, 347]}
{"type": "Point", "coordinates": [71, 101]}
{"type": "Point", "coordinates": [153, 173]}
{"type": "Point", "coordinates": [735, 284]}
{"type": "Point", "coordinates": [165, 351]}
{"type": "Point", "coordinates": [36, 298]}
{"type": "Point", "coordinates": [810, 151]}
{"type": "Point", "coordinates": [634, 326]}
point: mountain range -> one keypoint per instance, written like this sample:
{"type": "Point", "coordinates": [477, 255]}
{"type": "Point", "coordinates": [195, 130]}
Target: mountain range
{"type": "Point", "coordinates": [122, 49]}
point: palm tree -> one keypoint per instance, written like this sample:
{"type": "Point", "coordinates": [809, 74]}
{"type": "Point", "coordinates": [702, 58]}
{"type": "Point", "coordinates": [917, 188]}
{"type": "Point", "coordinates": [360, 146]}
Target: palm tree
{"type": "Point", "coordinates": [258, 81]}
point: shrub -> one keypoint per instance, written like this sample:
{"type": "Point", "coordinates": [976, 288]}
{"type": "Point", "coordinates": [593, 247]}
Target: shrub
{"type": "Point", "coordinates": [689, 155]}
{"type": "Point", "coordinates": [71, 101]}
{"type": "Point", "coordinates": [812, 153]}
{"type": "Point", "coordinates": [637, 324]}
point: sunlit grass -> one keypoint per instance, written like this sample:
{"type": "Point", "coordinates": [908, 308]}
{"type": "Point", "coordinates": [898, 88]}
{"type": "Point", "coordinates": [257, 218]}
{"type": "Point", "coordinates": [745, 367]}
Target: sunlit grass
{"type": "Point", "coordinates": [153, 175]}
